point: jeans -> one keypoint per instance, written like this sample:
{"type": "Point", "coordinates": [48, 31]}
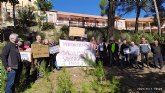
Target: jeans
{"type": "Point", "coordinates": [10, 81]}
{"type": "Point", "coordinates": [158, 58]}
{"type": "Point", "coordinates": [133, 59]}
{"type": "Point", "coordinates": [144, 58]}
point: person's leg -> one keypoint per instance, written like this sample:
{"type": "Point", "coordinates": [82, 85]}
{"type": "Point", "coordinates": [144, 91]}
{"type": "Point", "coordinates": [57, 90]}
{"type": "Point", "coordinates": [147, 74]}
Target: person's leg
{"type": "Point", "coordinates": [10, 81]}
{"type": "Point", "coordinates": [161, 61]}
{"type": "Point", "coordinates": [110, 59]}
{"type": "Point", "coordinates": [142, 59]}
{"type": "Point", "coordinates": [135, 60]}
{"type": "Point", "coordinates": [146, 58]}
{"type": "Point", "coordinates": [155, 60]}
{"type": "Point", "coordinates": [28, 68]}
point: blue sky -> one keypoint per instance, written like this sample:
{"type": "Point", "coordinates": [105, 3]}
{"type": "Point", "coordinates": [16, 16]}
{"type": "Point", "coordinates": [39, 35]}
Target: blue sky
{"type": "Point", "coordinates": [84, 7]}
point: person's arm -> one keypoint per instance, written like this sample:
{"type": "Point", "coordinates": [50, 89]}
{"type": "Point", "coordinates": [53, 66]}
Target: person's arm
{"type": "Point", "coordinates": [5, 54]}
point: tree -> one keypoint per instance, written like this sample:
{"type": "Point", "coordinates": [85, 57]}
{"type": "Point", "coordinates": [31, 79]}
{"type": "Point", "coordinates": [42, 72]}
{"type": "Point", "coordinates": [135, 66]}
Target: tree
{"type": "Point", "coordinates": [158, 11]}
{"type": "Point", "coordinates": [13, 3]}
{"type": "Point", "coordinates": [108, 7]}
{"type": "Point", "coordinates": [43, 6]}
{"type": "Point", "coordinates": [26, 15]}
{"type": "Point", "coordinates": [135, 5]}
{"type": "Point", "coordinates": [157, 15]}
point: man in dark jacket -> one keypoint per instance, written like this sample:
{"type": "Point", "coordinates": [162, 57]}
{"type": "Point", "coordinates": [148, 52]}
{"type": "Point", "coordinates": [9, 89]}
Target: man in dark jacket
{"type": "Point", "coordinates": [156, 50]}
{"type": "Point", "coordinates": [124, 51]}
{"type": "Point", "coordinates": [113, 50]}
{"type": "Point", "coordinates": [10, 59]}
{"type": "Point", "coordinates": [102, 51]}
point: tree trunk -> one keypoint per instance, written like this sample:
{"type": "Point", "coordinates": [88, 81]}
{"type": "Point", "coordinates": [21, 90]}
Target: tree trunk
{"type": "Point", "coordinates": [111, 18]}
{"type": "Point", "coordinates": [14, 20]}
{"type": "Point", "coordinates": [137, 17]}
{"type": "Point", "coordinates": [158, 18]}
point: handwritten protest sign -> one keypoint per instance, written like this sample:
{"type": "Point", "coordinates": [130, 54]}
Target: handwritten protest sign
{"type": "Point", "coordinates": [54, 49]}
{"type": "Point", "coordinates": [26, 56]}
{"type": "Point", "coordinates": [76, 31]}
{"type": "Point", "coordinates": [72, 53]}
{"type": "Point", "coordinates": [40, 50]}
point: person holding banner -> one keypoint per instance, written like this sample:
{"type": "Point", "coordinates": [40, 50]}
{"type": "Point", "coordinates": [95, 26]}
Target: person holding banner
{"type": "Point", "coordinates": [94, 47]}
{"type": "Point", "coordinates": [53, 49]}
{"type": "Point", "coordinates": [27, 64]}
{"type": "Point", "coordinates": [124, 53]}
{"type": "Point", "coordinates": [46, 59]}
{"type": "Point", "coordinates": [10, 59]}
{"type": "Point", "coordinates": [38, 61]}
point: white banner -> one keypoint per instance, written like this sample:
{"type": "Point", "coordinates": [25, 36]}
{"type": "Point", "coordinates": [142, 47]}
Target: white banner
{"type": "Point", "coordinates": [54, 49]}
{"type": "Point", "coordinates": [25, 56]}
{"type": "Point", "coordinates": [72, 53]}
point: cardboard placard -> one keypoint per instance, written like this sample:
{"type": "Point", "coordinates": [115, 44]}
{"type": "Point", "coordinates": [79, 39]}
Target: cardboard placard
{"type": "Point", "coordinates": [39, 51]}
{"type": "Point", "coordinates": [76, 31]}
{"type": "Point", "coordinates": [26, 56]}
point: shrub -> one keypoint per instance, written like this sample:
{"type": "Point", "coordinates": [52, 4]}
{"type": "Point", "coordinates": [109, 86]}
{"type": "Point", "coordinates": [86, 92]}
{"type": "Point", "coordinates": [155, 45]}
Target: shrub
{"type": "Point", "coordinates": [64, 83]}
{"type": "Point", "coordinates": [42, 34]}
{"type": "Point", "coordinates": [47, 26]}
{"type": "Point", "coordinates": [2, 78]}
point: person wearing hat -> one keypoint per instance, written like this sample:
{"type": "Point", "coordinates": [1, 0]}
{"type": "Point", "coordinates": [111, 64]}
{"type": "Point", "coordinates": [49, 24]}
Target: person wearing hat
{"type": "Point", "coordinates": [20, 44]}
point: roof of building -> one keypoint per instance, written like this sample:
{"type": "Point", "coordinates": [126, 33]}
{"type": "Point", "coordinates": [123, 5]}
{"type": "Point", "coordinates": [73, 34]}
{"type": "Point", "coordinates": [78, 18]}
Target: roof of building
{"type": "Point", "coordinates": [80, 15]}
{"type": "Point", "coordinates": [145, 19]}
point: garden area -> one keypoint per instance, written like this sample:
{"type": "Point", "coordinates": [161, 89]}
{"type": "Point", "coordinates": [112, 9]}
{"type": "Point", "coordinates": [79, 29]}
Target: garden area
{"type": "Point", "coordinates": [40, 19]}
{"type": "Point", "coordinates": [95, 79]}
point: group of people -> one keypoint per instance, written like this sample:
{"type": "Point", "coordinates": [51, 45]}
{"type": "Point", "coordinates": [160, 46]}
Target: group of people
{"type": "Point", "coordinates": [112, 53]}
{"type": "Point", "coordinates": [125, 54]}
{"type": "Point", "coordinates": [13, 64]}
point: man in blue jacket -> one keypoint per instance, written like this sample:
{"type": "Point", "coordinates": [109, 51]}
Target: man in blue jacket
{"type": "Point", "coordinates": [10, 59]}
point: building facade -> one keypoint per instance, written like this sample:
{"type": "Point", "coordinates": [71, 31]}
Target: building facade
{"type": "Point", "coordinates": [6, 11]}
{"type": "Point", "coordinates": [59, 18]}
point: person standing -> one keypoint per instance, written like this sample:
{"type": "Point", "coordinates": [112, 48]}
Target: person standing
{"type": "Point", "coordinates": [102, 51]}
{"type": "Point", "coordinates": [53, 62]}
{"type": "Point", "coordinates": [157, 55]}
{"type": "Point", "coordinates": [10, 59]}
{"type": "Point", "coordinates": [144, 50]}
{"type": "Point", "coordinates": [38, 61]}
{"type": "Point", "coordinates": [113, 50]}
{"type": "Point", "coordinates": [134, 52]}
{"type": "Point", "coordinates": [124, 51]}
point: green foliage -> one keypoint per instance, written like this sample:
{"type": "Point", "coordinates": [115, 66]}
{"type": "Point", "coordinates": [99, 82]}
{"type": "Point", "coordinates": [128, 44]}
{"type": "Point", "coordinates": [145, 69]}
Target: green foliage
{"type": "Point", "coordinates": [2, 78]}
{"type": "Point", "coordinates": [64, 83]}
{"type": "Point", "coordinates": [47, 26]}
{"type": "Point", "coordinates": [44, 5]}
{"type": "Point", "coordinates": [99, 72]}
{"type": "Point", "coordinates": [114, 85]}
{"type": "Point", "coordinates": [26, 15]}
{"type": "Point", "coordinates": [65, 32]}
{"type": "Point", "coordinates": [103, 7]}
{"type": "Point", "coordinates": [43, 35]}
{"type": "Point", "coordinates": [86, 88]}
